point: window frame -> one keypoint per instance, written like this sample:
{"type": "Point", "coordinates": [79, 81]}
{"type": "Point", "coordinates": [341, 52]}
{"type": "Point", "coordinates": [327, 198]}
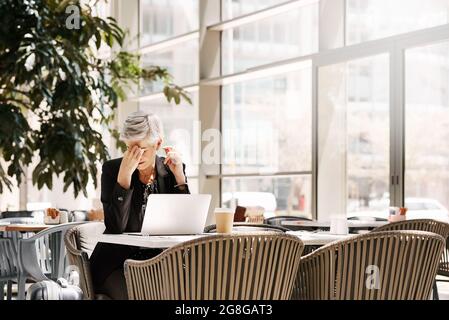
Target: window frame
{"type": "Point", "coordinates": [332, 50]}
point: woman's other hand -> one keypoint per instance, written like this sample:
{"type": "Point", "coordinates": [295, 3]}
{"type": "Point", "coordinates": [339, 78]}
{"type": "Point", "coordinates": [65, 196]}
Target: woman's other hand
{"type": "Point", "coordinates": [130, 162]}
{"type": "Point", "coordinates": [174, 163]}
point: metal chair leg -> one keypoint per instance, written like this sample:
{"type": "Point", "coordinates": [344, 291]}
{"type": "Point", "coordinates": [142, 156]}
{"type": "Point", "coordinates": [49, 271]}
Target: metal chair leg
{"type": "Point", "coordinates": [9, 290]}
{"type": "Point", "coordinates": [435, 291]}
{"type": "Point", "coordinates": [2, 290]}
{"type": "Point", "coordinates": [21, 287]}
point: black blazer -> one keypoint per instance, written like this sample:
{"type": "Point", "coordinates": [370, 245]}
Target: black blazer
{"type": "Point", "coordinates": [122, 213]}
{"type": "Point", "coordinates": [122, 208]}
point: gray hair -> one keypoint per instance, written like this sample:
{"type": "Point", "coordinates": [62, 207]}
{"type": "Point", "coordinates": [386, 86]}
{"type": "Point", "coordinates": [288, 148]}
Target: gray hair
{"type": "Point", "coordinates": [141, 125]}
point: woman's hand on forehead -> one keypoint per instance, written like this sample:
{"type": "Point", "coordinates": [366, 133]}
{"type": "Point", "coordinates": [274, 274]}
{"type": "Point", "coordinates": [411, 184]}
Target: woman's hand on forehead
{"type": "Point", "coordinates": [132, 147]}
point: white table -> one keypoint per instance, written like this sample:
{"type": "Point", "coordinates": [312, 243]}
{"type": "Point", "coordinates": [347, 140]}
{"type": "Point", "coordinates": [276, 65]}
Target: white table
{"type": "Point", "coordinates": [327, 224]}
{"type": "Point", "coordinates": [147, 241]}
{"type": "Point", "coordinates": [23, 227]}
{"type": "Point", "coordinates": [309, 239]}
{"type": "Point", "coordinates": [318, 238]}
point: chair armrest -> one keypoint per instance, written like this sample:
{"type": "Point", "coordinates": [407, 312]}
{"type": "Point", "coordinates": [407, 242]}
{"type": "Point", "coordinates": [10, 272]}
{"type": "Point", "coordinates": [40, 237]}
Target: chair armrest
{"type": "Point", "coordinates": [27, 257]}
{"type": "Point", "coordinates": [129, 264]}
{"type": "Point", "coordinates": [312, 274]}
{"type": "Point", "coordinates": [80, 260]}
{"type": "Point", "coordinates": [73, 250]}
{"type": "Point", "coordinates": [51, 230]}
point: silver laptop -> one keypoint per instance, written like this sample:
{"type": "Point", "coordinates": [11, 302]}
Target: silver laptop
{"type": "Point", "coordinates": [175, 214]}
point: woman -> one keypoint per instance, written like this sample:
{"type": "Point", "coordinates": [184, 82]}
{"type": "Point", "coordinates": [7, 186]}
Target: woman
{"type": "Point", "coordinates": [126, 184]}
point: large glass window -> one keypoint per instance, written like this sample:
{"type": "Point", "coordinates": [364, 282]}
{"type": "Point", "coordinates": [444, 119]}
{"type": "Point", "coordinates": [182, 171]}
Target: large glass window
{"type": "Point", "coordinates": [180, 60]}
{"type": "Point", "coordinates": [164, 19]}
{"type": "Point", "coordinates": [427, 132]}
{"type": "Point", "coordinates": [374, 19]}
{"type": "Point", "coordinates": [270, 40]}
{"type": "Point", "coordinates": [267, 129]}
{"type": "Point", "coordinates": [235, 8]}
{"type": "Point", "coordinates": [267, 124]}
{"type": "Point", "coordinates": [353, 113]}
{"type": "Point", "coordinates": [180, 128]}
{"type": "Point", "coordinates": [279, 196]}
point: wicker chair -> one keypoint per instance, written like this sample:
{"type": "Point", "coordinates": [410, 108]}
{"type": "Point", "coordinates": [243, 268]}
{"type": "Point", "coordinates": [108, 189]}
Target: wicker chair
{"type": "Point", "coordinates": [80, 241]}
{"type": "Point", "coordinates": [241, 227]}
{"type": "Point", "coordinates": [222, 267]}
{"type": "Point", "coordinates": [407, 263]}
{"type": "Point", "coordinates": [443, 268]}
{"type": "Point", "coordinates": [277, 220]}
{"type": "Point", "coordinates": [429, 225]}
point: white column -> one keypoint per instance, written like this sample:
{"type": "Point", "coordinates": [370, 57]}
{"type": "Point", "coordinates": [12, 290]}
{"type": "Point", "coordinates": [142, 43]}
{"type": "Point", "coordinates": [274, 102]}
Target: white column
{"type": "Point", "coordinates": [23, 190]}
{"type": "Point", "coordinates": [209, 98]}
{"type": "Point", "coordinates": [329, 115]}
{"type": "Point", "coordinates": [332, 24]}
{"type": "Point", "coordinates": [332, 149]}
{"type": "Point", "coordinates": [128, 16]}
{"type": "Point", "coordinates": [397, 130]}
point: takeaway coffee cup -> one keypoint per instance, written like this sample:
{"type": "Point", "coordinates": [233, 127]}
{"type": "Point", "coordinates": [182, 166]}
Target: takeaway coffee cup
{"type": "Point", "coordinates": [339, 225]}
{"type": "Point", "coordinates": [224, 219]}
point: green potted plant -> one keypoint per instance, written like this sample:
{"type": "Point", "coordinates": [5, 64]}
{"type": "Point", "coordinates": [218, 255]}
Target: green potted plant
{"type": "Point", "coordinates": [56, 90]}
